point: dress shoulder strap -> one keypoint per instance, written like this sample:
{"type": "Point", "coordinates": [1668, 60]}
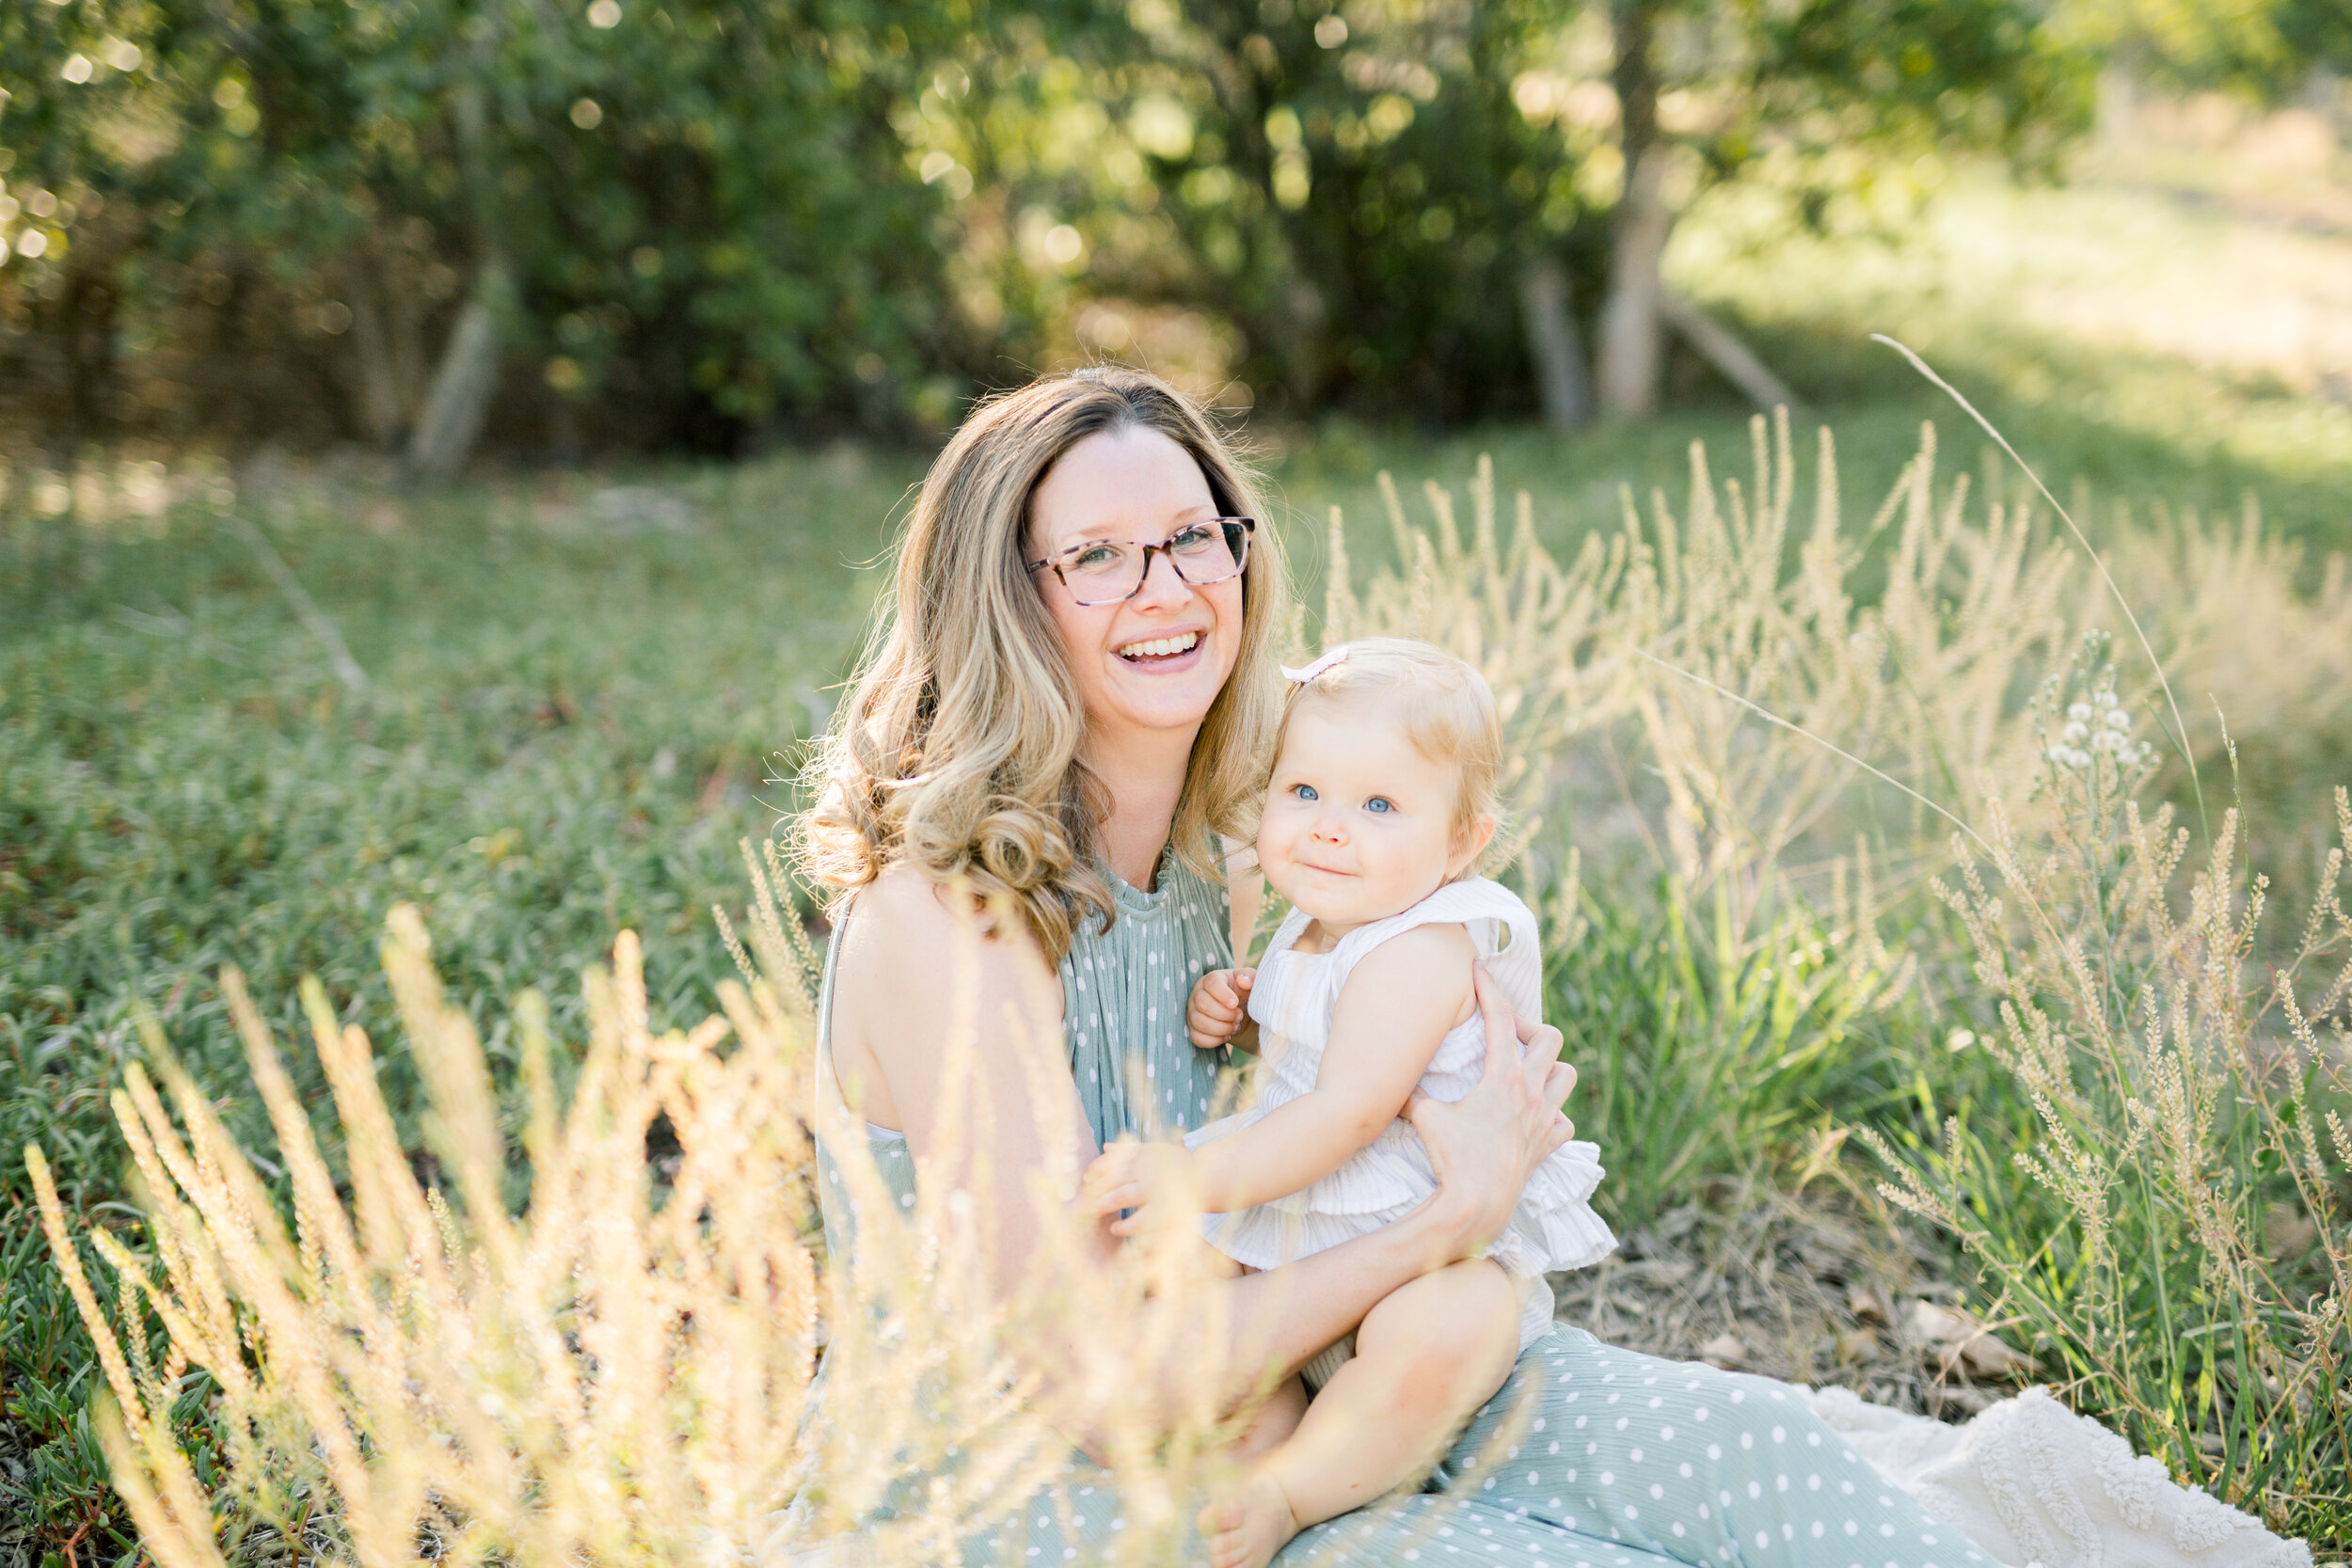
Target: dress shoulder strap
{"type": "Point", "coordinates": [1499, 920]}
{"type": "Point", "coordinates": [827, 1081]}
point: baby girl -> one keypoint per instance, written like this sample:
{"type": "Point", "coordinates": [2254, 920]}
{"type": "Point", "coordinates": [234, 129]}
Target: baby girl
{"type": "Point", "coordinates": [1382, 799]}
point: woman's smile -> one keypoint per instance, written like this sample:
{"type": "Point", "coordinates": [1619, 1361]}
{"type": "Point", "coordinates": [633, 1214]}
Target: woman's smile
{"type": "Point", "coordinates": [1167, 651]}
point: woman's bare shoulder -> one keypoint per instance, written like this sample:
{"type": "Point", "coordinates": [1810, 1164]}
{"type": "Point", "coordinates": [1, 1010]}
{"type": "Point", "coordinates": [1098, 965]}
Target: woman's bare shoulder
{"type": "Point", "coordinates": [913, 973]}
{"type": "Point", "coordinates": [906, 929]}
{"type": "Point", "coordinates": [903, 896]}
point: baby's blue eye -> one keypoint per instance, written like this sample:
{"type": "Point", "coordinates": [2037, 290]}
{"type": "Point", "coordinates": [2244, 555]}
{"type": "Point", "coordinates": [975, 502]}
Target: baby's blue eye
{"type": "Point", "coordinates": [1379, 803]}
{"type": "Point", "coordinates": [1305, 792]}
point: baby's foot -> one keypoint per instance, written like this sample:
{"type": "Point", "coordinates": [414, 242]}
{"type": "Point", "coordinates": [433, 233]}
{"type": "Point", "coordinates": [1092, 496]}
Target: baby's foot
{"type": "Point", "coordinates": [1247, 1527]}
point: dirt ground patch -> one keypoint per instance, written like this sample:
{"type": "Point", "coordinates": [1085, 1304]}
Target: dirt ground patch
{"type": "Point", "coordinates": [1813, 1289]}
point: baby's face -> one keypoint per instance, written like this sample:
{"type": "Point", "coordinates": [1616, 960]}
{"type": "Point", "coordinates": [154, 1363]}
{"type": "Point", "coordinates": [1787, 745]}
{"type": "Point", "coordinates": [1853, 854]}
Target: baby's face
{"type": "Point", "coordinates": [1358, 825]}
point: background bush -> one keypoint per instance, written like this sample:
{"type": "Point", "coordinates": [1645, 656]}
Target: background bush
{"type": "Point", "coordinates": [688, 224]}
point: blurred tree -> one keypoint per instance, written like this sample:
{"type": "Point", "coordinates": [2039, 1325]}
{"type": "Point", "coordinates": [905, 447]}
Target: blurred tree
{"type": "Point", "coordinates": [687, 217]}
{"type": "Point", "coordinates": [676, 222]}
{"type": "Point", "coordinates": [1706, 89]}
{"type": "Point", "coordinates": [1406, 205]}
{"type": "Point", "coordinates": [1360, 194]}
{"type": "Point", "coordinates": [2266, 49]}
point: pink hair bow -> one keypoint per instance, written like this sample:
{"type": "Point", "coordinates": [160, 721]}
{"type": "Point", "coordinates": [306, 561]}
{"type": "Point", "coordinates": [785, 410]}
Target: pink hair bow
{"type": "Point", "coordinates": [1303, 677]}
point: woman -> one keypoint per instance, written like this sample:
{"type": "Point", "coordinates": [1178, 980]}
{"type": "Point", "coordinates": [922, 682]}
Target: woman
{"type": "Point", "coordinates": [1069, 697]}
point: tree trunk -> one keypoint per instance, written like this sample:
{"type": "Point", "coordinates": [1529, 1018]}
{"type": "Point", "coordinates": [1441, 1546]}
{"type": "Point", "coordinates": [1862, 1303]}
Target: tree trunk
{"type": "Point", "coordinates": [1733, 359]}
{"type": "Point", "coordinates": [89, 316]}
{"type": "Point", "coordinates": [451, 421]}
{"type": "Point", "coordinates": [460, 398]}
{"type": "Point", "coordinates": [1552, 343]}
{"type": "Point", "coordinates": [1631, 337]}
{"type": "Point", "coordinates": [380, 412]}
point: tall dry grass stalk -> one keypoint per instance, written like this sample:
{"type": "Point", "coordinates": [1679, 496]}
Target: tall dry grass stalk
{"type": "Point", "coordinates": [624, 1369]}
{"type": "Point", "coordinates": [2182, 1252]}
{"type": "Point", "coordinates": [1906, 652]}
{"type": "Point", "coordinates": [2155, 1181]}
{"type": "Point", "coordinates": [1912, 641]}
{"type": "Point", "coordinates": [627, 1370]}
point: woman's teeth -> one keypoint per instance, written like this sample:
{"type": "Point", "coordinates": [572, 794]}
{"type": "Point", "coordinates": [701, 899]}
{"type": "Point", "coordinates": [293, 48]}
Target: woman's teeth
{"type": "Point", "coordinates": [1162, 647]}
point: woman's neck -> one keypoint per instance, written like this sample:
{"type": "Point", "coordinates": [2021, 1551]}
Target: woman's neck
{"type": "Point", "coordinates": [1144, 776]}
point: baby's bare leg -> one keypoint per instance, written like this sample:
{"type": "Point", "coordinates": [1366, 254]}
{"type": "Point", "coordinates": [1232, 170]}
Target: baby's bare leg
{"type": "Point", "coordinates": [1274, 1423]}
{"type": "Point", "coordinates": [1426, 1358]}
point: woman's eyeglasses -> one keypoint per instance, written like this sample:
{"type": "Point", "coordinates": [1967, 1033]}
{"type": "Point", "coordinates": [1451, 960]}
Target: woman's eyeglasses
{"type": "Point", "coordinates": [1104, 571]}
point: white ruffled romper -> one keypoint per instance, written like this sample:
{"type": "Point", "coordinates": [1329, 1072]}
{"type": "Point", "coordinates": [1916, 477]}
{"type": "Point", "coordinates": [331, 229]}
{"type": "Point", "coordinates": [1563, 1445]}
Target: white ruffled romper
{"type": "Point", "coordinates": [1554, 1226]}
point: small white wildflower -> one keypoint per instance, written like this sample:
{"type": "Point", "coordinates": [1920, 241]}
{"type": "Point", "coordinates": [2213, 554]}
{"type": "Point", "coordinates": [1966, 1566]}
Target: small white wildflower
{"type": "Point", "coordinates": [2104, 699]}
{"type": "Point", "coordinates": [2079, 710]}
{"type": "Point", "coordinates": [2080, 758]}
{"type": "Point", "coordinates": [2059, 754]}
{"type": "Point", "coordinates": [2119, 719]}
{"type": "Point", "coordinates": [2076, 730]}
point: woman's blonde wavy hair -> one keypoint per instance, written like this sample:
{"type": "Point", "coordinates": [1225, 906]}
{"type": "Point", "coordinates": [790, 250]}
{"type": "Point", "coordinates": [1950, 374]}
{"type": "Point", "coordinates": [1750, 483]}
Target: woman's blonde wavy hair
{"type": "Point", "coordinates": [956, 749]}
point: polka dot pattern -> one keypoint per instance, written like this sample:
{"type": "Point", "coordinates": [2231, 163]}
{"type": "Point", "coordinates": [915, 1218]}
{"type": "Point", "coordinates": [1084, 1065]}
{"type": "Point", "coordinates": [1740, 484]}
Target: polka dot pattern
{"type": "Point", "coordinates": [1590, 1457]}
{"type": "Point", "coordinates": [1123, 990]}
{"type": "Point", "coordinates": [1507, 1492]}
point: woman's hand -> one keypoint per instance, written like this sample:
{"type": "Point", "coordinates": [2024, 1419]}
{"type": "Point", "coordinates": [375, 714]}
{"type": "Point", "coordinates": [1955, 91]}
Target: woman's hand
{"type": "Point", "coordinates": [1484, 1145]}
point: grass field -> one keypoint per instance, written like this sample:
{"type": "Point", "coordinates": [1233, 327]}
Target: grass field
{"type": "Point", "coordinates": [544, 706]}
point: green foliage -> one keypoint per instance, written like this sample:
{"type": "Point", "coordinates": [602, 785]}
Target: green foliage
{"type": "Point", "coordinates": [1708, 1048]}
{"type": "Point", "coordinates": [1926, 73]}
{"type": "Point", "coordinates": [703, 203]}
{"type": "Point", "coordinates": [2265, 48]}
{"type": "Point", "coordinates": [723, 216]}
{"type": "Point", "coordinates": [1359, 189]}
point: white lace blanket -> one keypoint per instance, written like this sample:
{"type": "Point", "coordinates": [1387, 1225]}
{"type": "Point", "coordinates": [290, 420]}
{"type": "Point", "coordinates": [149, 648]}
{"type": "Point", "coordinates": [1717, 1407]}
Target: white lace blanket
{"type": "Point", "coordinates": [2032, 1482]}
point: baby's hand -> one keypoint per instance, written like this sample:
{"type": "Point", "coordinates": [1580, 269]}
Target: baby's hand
{"type": "Point", "coordinates": [1220, 1007]}
{"type": "Point", "coordinates": [1134, 1176]}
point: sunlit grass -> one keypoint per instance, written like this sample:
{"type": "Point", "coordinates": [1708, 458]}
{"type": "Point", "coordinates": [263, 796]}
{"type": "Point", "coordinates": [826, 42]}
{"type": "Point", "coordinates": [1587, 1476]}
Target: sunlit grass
{"type": "Point", "coordinates": [575, 691]}
{"type": "Point", "coordinates": [2118, 332]}
{"type": "Point", "coordinates": [1737, 935]}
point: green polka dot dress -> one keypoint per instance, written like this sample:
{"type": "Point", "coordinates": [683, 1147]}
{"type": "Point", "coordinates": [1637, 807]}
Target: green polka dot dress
{"type": "Point", "coordinates": [1589, 1457]}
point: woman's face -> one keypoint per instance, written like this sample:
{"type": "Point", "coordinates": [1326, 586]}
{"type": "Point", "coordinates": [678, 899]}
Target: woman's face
{"type": "Point", "coordinates": [1149, 666]}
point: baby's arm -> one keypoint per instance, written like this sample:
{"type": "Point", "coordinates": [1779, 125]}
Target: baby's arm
{"type": "Point", "coordinates": [1397, 1005]}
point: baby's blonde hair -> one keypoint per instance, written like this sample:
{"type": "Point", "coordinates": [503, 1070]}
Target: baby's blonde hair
{"type": "Point", "coordinates": [1443, 703]}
